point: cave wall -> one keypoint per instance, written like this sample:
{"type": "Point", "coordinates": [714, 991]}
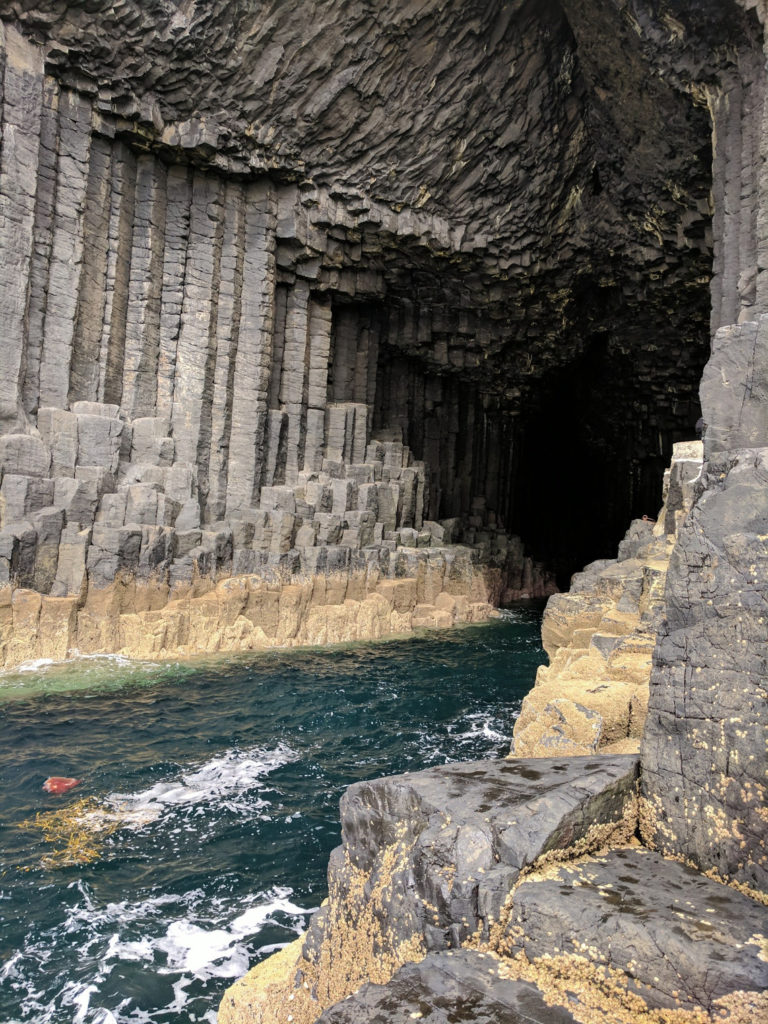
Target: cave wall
{"type": "Point", "coordinates": [250, 260]}
{"type": "Point", "coordinates": [704, 749]}
{"type": "Point", "coordinates": [193, 370]}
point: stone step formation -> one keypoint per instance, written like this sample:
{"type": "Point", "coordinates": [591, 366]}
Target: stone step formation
{"type": "Point", "coordinates": [93, 501]}
{"type": "Point", "coordinates": [600, 635]}
{"type": "Point", "coordinates": [512, 891]}
{"type": "Point", "coordinates": [114, 489]}
{"type": "Point", "coordinates": [197, 378]}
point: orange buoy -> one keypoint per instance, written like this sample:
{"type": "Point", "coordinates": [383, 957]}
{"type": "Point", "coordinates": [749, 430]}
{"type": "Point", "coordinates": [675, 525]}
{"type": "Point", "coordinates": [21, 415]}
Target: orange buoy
{"type": "Point", "coordinates": [59, 784]}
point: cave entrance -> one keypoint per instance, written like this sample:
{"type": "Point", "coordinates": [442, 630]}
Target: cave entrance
{"type": "Point", "coordinates": [591, 457]}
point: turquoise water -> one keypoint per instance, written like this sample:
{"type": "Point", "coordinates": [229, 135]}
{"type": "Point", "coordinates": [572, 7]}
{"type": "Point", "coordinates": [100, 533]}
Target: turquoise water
{"type": "Point", "coordinates": [231, 771]}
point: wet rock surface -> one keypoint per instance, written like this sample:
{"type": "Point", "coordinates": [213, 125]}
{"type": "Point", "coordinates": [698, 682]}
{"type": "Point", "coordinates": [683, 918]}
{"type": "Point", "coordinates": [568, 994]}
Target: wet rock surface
{"type": "Point", "coordinates": [427, 861]}
{"type": "Point", "coordinates": [461, 987]}
{"type": "Point", "coordinates": [680, 939]}
{"type": "Point", "coordinates": [471, 829]}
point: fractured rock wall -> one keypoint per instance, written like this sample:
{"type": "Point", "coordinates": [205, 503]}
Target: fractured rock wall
{"type": "Point", "coordinates": [193, 384]}
{"type": "Point", "coordinates": [253, 254]}
{"type": "Point", "coordinates": [705, 743]}
{"type": "Point", "coordinates": [704, 747]}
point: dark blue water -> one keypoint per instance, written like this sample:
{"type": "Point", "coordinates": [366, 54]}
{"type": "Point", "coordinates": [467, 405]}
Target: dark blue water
{"type": "Point", "coordinates": [229, 773]}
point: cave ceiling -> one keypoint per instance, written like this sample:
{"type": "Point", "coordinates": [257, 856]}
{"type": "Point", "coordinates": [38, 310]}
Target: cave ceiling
{"type": "Point", "coordinates": [563, 146]}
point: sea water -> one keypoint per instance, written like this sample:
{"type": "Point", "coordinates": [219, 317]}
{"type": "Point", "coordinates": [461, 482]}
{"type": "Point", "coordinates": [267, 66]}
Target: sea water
{"type": "Point", "coordinates": [227, 774]}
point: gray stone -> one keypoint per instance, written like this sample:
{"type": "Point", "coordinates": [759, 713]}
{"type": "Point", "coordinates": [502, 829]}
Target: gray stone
{"type": "Point", "coordinates": [681, 939]}
{"type": "Point", "coordinates": [456, 987]}
{"type": "Point", "coordinates": [18, 550]}
{"type": "Point", "coordinates": [181, 482]}
{"type": "Point", "coordinates": [704, 762]}
{"type": "Point", "coordinates": [734, 389]}
{"type": "Point", "coordinates": [113, 550]}
{"type": "Point", "coordinates": [21, 495]}
{"type": "Point", "coordinates": [219, 543]}
{"type": "Point", "coordinates": [79, 499]}
{"type": "Point", "coordinates": [150, 442]}
{"type": "Point", "coordinates": [488, 819]}
{"type": "Point", "coordinates": [48, 524]}
{"type": "Point", "coordinates": [71, 565]}
{"type": "Point", "coordinates": [187, 541]}
{"type": "Point", "coordinates": [280, 499]}
{"type": "Point", "coordinates": [58, 429]}
{"type": "Point", "coordinates": [158, 549]}
{"type": "Point", "coordinates": [101, 409]}
{"type": "Point", "coordinates": [112, 508]}
{"type": "Point", "coordinates": [637, 537]}
{"type": "Point", "coordinates": [24, 454]}
{"type": "Point", "coordinates": [188, 517]}
{"type": "Point", "coordinates": [142, 504]}
{"type": "Point", "coordinates": [98, 440]}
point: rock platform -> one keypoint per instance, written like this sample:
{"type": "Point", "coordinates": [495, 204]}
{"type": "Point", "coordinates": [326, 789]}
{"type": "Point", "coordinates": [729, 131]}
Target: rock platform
{"type": "Point", "coordinates": [448, 988]}
{"type": "Point", "coordinates": [513, 891]}
{"type": "Point", "coordinates": [680, 939]}
{"type": "Point", "coordinates": [427, 862]}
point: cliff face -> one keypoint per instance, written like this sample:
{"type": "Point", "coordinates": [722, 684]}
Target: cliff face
{"type": "Point", "coordinates": [255, 240]}
{"type": "Point", "coordinates": [326, 290]}
{"type": "Point", "coordinates": [320, 290]}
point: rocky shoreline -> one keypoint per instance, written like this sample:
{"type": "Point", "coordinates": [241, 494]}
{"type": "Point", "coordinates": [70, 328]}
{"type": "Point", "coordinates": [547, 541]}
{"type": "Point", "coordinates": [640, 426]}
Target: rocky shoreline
{"type": "Point", "coordinates": [313, 319]}
{"type": "Point", "coordinates": [600, 635]}
{"type": "Point", "coordinates": [540, 889]}
{"type": "Point", "coordinates": [524, 882]}
{"type": "Point", "coordinates": [445, 587]}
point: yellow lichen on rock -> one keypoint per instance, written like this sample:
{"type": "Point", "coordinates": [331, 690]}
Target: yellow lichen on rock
{"type": "Point", "coordinates": [260, 995]}
{"type": "Point", "coordinates": [244, 613]}
{"type": "Point", "coordinates": [600, 637]}
{"type": "Point", "coordinates": [295, 985]}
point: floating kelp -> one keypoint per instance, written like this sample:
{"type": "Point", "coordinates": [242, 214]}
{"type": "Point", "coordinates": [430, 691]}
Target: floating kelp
{"type": "Point", "coordinates": [79, 830]}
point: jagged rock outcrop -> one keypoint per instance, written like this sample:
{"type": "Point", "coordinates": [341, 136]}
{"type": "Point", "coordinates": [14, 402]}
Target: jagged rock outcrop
{"type": "Point", "coordinates": [600, 636]}
{"type": "Point", "coordinates": [427, 862]}
{"type": "Point", "coordinates": [488, 891]}
{"type": "Point", "coordinates": [704, 748]}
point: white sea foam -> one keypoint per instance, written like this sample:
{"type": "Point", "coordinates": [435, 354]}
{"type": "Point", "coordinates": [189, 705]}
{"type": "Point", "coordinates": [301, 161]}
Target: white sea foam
{"type": "Point", "coordinates": [32, 666]}
{"type": "Point", "coordinates": [187, 937]}
{"type": "Point", "coordinates": [481, 726]}
{"type": "Point", "coordinates": [228, 781]}
{"type": "Point", "coordinates": [75, 658]}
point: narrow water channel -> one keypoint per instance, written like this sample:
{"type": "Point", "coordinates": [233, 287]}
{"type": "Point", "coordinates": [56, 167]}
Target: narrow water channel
{"type": "Point", "coordinates": [231, 771]}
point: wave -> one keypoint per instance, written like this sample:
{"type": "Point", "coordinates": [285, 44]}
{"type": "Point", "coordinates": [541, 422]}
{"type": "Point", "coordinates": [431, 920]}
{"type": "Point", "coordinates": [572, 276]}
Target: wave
{"type": "Point", "coordinates": [228, 781]}
{"type": "Point", "coordinates": [185, 937]}
{"type": "Point", "coordinates": [41, 664]}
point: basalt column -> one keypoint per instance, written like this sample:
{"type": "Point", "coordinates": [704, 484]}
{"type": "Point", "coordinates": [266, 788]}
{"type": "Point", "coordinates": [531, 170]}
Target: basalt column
{"type": "Point", "coordinates": [704, 749]}
{"type": "Point", "coordinates": [22, 97]}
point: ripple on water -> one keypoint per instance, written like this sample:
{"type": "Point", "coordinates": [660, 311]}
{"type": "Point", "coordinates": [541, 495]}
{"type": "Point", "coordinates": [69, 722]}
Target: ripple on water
{"type": "Point", "coordinates": [230, 771]}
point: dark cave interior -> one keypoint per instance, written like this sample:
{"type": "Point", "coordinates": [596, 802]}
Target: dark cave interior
{"type": "Point", "coordinates": [571, 461]}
